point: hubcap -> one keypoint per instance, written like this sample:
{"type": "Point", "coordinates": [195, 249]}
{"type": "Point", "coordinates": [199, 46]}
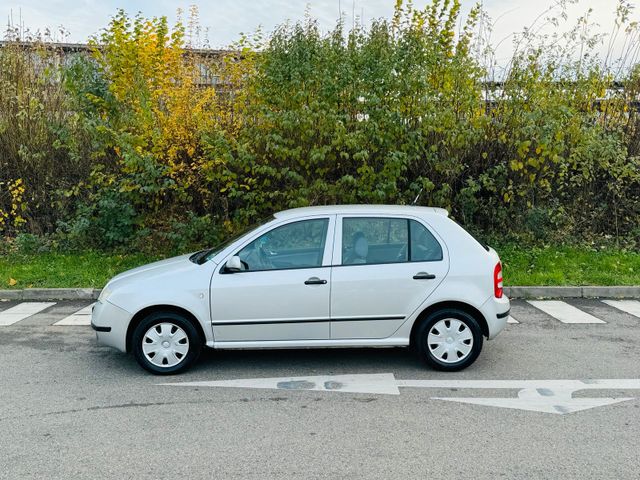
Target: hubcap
{"type": "Point", "coordinates": [450, 340]}
{"type": "Point", "coordinates": [165, 345]}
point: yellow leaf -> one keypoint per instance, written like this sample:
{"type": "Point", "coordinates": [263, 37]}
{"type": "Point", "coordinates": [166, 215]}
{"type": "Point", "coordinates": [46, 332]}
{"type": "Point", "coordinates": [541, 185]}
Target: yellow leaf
{"type": "Point", "coordinates": [12, 282]}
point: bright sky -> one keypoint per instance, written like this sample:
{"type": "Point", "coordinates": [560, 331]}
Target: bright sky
{"type": "Point", "coordinates": [225, 19]}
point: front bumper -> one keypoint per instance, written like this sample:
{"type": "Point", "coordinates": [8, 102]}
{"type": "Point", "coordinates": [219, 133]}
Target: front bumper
{"type": "Point", "coordinates": [100, 329]}
{"type": "Point", "coordinates": [110, 323]}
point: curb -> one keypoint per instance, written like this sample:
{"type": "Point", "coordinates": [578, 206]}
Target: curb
{"type": "Point", "coordinates": [511, 292]}
{"type": "Point", "coordinates": [573, 292]}
{"type": "Point", "coordinates": [51, 294]}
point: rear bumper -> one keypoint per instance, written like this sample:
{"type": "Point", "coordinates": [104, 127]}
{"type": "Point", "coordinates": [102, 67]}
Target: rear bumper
{"type": "Point", "coordinates": [496, 312]}
{"type": "Point", "coordinates": [111, 324]}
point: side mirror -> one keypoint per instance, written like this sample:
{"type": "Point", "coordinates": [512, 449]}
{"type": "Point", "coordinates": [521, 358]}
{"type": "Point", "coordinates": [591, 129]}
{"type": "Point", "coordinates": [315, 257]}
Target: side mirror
{"type": "Point", "coordinates": [234, 264]}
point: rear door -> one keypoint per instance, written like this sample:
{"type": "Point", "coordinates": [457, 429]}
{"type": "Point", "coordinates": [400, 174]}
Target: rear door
{"type": "Point", "coordinates": [384, 268]}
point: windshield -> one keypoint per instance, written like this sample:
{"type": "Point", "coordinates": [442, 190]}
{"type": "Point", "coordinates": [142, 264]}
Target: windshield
{"type": "Point", "coordinates": [207, 254]}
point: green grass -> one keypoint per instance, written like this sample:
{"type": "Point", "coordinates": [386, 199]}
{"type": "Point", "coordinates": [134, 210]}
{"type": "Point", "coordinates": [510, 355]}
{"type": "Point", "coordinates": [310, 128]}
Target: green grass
{"type": "Point", "coordinates": [554, 265]}
{"type": "Point", "coordinates": [569, 265]}
{"type": "Point", "coordinates": [60, 270]}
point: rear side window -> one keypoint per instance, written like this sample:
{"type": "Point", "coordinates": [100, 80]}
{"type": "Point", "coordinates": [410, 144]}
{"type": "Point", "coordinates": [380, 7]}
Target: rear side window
{"type": "Point", "coordinates": [374, 240]}
{"type": "Point", "coordinates": [387, 240]}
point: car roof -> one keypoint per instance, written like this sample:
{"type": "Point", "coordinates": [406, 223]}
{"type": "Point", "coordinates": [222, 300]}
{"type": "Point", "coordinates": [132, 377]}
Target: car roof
{"type": "Point", "coordinates": [362, 209]}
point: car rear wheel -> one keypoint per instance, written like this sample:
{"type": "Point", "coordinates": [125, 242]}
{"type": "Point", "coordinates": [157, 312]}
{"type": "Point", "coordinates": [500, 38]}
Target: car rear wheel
{"type": "Point", "coordinates": [449, 340]}
{"type": "Point", "coordinates": [166, 343]}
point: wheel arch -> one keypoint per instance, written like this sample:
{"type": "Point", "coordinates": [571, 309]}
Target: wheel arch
{"type": "Point", "coordinates": [142, 314]}
{"type": "Point", "coordinates": [465, 307]}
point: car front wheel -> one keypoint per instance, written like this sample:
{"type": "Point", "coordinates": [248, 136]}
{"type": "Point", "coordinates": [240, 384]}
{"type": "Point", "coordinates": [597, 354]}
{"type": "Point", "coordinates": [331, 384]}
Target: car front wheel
{"type": "Point", "coordinates": [449, 340]}
{"type": "Point", "coordinates": [166, 343]}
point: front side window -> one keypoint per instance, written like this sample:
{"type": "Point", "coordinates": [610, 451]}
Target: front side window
{"type": "Point", "coordinates": [295, 245]}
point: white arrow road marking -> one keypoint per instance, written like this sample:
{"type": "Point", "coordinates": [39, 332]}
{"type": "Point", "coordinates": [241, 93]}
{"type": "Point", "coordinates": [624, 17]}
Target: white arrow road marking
{"type": "Point", "coordinates": [530, 402]}
{"type": "Point", "coordinates": [512, 320]}
{"type": "Point", "coordinates": [81, 317]}
{"type": "Point", "coordinates": [22, 311]}
{"type": "Point", "coordinates": [383, 383]}
{"type": "Point", "coordinates": [564, 312]}
{"type": "Point", "coordinates": [547, 396]}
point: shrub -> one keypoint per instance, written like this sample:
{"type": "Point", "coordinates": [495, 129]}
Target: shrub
{"type": "Point", "coordinates": [42, 146]}
{"type": "Point", "coordinates": [124, 144]}
{"type": "Point", "coordinates": [106, 222]}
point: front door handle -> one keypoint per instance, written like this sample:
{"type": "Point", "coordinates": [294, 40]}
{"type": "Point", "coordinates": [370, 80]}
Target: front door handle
{"type": "Point", "coordinates": [424, 276]}
{"type": "Point", "coordinates": [315, 281]}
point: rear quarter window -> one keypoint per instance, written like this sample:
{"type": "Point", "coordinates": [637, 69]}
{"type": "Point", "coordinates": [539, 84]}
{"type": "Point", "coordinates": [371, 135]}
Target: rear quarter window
{"type": "Point", "coordinates": [424, 246]}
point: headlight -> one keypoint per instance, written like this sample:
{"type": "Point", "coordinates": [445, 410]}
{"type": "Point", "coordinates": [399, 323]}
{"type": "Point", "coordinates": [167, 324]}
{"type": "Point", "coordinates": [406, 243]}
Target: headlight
{"type": "Point", "coordinates": [105, 294]}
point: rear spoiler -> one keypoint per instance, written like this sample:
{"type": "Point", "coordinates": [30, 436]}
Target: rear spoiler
{"type": "Point", "coordinates": [440, 211]}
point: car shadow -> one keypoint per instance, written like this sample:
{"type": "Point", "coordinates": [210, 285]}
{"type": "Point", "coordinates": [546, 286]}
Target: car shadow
{"type": "Point", "coordinates": [306, 361]}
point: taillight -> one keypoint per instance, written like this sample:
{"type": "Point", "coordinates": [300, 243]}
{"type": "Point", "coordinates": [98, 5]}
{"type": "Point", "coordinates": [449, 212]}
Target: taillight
{"type": "Point", "coordinates": [497, 280]}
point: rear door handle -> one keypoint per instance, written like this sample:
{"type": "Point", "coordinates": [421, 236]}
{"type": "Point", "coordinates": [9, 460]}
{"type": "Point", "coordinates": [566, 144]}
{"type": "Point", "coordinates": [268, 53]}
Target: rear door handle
{"type": "Point", "coordinates": [424, 276]}
{"type": "Point", "coordinates": [315, 281]}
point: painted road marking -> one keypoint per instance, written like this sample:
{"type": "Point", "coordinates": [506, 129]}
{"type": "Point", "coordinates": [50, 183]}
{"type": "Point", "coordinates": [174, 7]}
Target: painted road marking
{"type": "Point", "coordinates": [547, 396]}
{"type": "Point", "coordinates": [564, 312]}
{"type": "Point", "coordinates": [512, 320]}
{"type": "Point", "coordinates": [81, 317]}
{"type": "Point", "coordinates": [629, 306]}
{"type": "Point", "coordinates": [22, 311]}
{"type": "Point", "coordinates": [383, 383]}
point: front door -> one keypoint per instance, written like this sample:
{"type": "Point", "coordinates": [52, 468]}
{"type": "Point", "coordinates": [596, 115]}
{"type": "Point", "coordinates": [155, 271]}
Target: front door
{"type": "Point", "coordinates": [282, 293]}
{"type": "Point", "coordinates": [384, 269]}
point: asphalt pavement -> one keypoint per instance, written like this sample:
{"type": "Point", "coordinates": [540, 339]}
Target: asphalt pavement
{"type": "Point", "coordinates": [70, 408]}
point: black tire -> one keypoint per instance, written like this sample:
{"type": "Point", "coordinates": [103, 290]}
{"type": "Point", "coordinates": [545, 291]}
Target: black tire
{"type": "Point", "coordinates": [155, 319]}
{"type": "Point", "coordinates": [425, 353]}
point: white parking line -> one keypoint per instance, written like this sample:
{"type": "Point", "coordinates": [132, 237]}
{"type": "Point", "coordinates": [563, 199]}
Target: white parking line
{"type": "Point", "coordinates": [629, 306]}
{"type": "Point", "coordinates": [512, 320]}
{"type": "Point", "coordinates": [81, 317]}
{"type": "Point", "coordinates": [22, 311]}
{"type": "Point", "coordinates": [564, 312]}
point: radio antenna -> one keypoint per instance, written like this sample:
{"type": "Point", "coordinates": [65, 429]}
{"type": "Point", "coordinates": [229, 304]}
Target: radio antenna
{"type": "Point", "coordinates": [415, 200]}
